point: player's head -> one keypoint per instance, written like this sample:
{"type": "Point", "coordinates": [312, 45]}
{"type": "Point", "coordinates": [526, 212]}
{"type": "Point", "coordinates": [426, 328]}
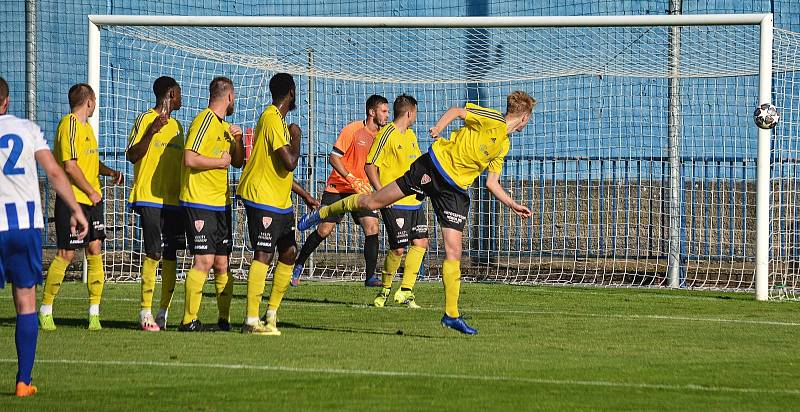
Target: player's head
{"type": "Point", "coordinates": [221, 90]}
{"type": "Point", "coordinates": [405, 106]}
{"type": "Point", "coordinates": [3, 96]}
{"type": "Point", "coordinates": [378, 110]}
{"type": "Point", "coordinates": [82, 96]}
{"type": "Point", "coordinates": [519, 106]}
{"type": "Point", "coordinates": [282, 88]}
{"type": "Point", "coordinates": [168, 93]}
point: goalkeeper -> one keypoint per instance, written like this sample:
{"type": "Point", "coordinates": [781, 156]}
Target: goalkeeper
{"type": "Point", "coordinates": [348, 158]}
{"type": "Point", "coordinates": [444, 174]}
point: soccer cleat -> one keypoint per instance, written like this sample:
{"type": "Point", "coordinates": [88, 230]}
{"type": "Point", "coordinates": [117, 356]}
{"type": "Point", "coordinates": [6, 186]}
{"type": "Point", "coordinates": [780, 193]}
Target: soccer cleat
{"type": "Point", "coordinates": [46, 322]}
{"type": "Point", "coordinates": [193, 326]}
{"type": "Point", "coordinates": [94, 322]}
{"type": "Point", "coordinates": [25, 389]}
{"type": "Point", "coordinates": [260, 328]}
{"type": "Point", "coordinates": [296, 272]}
{"type": "Point", "coordinates": [373, 282]}
{"type": "Point", "coordinates": [383, 296]}
{"type": "Point", "coordinates": [405, 298]}
{"type": "Point", "coordinates": [458, 324]}
{"type": "Point", "coordinates": [148, 324]}
{"type": "Point", "coordinates": [272, 325]}
{"type": "Point", "coordinates": [309, 220]}
{"type": "Point", "coordinates": [161, 321]}
{"type": "Point", "coordinates": [224, 325]}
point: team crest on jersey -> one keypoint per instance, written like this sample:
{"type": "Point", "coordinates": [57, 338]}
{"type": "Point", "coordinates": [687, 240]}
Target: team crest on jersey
{"type": "Point", "coordinates": [400, 222]}
{"type": "Point", "coordinates": [266, 221]}
{"type": "Point", "coordinates": [425, 179]}
{"type": "Point", "coordinates": [199, 224]}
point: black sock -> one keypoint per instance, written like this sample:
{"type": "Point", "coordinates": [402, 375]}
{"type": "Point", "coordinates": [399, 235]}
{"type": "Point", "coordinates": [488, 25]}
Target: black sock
{"type": "Point", "coordinates": [405, 289]}
{"type": "Point", "coordinates": [312, 242]}
{"type": "Point", "coordinates": [370, 254]}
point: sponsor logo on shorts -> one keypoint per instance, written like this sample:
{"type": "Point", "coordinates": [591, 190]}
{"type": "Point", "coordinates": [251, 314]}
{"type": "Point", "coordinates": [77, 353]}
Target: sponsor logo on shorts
{"type": "Point", "coordinates": [400, 222]}
{"type": "Point", "coordinates": [199, 224]}
{"type": "Point", "coordinates": [453, 217]}
{"type": "Point", "coordinates": [98, 225]}
{"type": "Point", "coordinates": [425, 179]}
{"type": "Point", "coordinates": [266, 221]}
{"type": "Point", "coordinates": [420, 228]}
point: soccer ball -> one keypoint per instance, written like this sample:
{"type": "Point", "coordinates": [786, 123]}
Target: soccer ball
{"type": "Point", "coordinates": [766, 116]}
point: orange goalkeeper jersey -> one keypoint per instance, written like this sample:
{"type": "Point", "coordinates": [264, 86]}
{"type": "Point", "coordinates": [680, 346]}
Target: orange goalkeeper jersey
{"type": "Point", "coordinates": [352, 147]}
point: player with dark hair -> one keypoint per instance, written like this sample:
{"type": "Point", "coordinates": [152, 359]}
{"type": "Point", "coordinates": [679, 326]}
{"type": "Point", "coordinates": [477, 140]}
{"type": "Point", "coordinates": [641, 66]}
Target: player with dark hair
{"type": "Point", "coordinates": [348, 158]}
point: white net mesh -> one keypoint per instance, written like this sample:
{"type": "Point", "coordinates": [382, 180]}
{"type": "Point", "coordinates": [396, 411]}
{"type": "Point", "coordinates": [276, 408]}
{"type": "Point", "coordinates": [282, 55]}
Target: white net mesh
{"type": "Point", "coordinates": [593, 165]}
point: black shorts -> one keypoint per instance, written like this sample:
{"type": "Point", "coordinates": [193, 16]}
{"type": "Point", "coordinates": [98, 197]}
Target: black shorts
{"type": "Point", "coordinates": [329, 198]}
{"type": "Point", "coordinates": [404, 225]}
{"type": "Point", "coordinates": [450, 203]}
{"type": "Point", "coordinates": [94, 215]}
{"type": "Point", "coordinates": [208, 232]}
{"type": "Point", "coordinates": [162, 229]}
{"type": "Point", "coordinates": [268, 229]}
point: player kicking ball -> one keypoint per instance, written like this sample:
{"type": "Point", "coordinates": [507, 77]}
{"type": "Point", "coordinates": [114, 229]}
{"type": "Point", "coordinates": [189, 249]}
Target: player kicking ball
{"type": "Point", "coordinates": [391, 155]}
{"type": "Point", "coordinates": [444, 174]}
{"type": "Point", "coordinates": [22, 146]}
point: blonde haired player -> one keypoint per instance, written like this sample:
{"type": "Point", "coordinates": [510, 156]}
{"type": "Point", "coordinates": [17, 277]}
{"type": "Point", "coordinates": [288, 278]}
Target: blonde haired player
{"type": "Point", "coordinates": [444, 174]}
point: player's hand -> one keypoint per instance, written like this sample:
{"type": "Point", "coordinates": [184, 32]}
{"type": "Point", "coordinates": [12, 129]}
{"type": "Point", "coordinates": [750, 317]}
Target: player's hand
{"type": "Point", "coordinates": [225, 160]}
{"type": "Point", "coordinates": [311, 202]}
{"type": "Point", "coordinates": [158, 123]}
{"type": "Point", "coordinates": [95, 197]}
{"type": "Point", "coordinates": [294, 131]}
{"type": "Point", "coordinates": [521, 210]}
{"type": "Point", "coordinates": [236, 131]}
{"type": "Point", "coordinates": [434, 132]}
{"type": "Point", "coordinates": [117, 177]}
{"type": "Point", "coordinates": [359, 185]}
{"type": "Point", "coordinates": [78, 225]}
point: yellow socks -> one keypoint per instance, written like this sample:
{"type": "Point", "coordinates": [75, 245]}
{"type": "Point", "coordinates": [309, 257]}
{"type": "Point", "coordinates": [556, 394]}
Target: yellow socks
{"type": "Point", "coordinates": [168, 275]}
{"type": "Point", "coordinates": [224, 286]}
{"type": "Point", "coordinates": [390, 265]}
{"type": "Point", "coordinates": [348, 204]}
{"type": "Point", "coordinates": [55, 275]}
{"type": "Point", "coordinates": [414, 258]}
{"type": "Point", "coordinates": [451, 276]}
{"type": "Point", "coordinates": [95, 278]}
{"type": "Point", "coordinates": [255, 287]}
{"type": "Point", "coordinates": [195, 280]}
{"type": "Point", "coordinates": [149, 268]}
{"type": "Point", "coordinates": [283, 275]}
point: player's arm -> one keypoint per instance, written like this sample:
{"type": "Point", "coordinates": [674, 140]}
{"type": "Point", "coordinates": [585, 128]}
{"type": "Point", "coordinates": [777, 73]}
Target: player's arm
{"type": "Point", "coordinates": [373, 174]}
{"type": "Point", "coordinates": [237, 148]}
{"type": "Point", "coordinates": [447, 118]}
{"type": "Point", "coordinates": [290, 153]}
{"type": "Point", "coordinates": [307, 198]}
{"type": "Point", "coordinates": [59, 181]}
{"type": "Point", "coordinates": [79, 179]}
{"type": "Point", "coordinates": [115, 175]}
{"type": "Point", "coordinates": [494, 186]}
{"type": "Point", "coordinates": [197, 161]}
{"type": "Point", "coordinates": [137, 151]}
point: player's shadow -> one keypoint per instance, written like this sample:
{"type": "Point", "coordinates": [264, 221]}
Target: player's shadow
{"type": "Point", "coordinates": [81, 323]}
{"type": "Point", "coordinates": [324, 301]}
{"type": "Point", "coordinates": [290, 325]}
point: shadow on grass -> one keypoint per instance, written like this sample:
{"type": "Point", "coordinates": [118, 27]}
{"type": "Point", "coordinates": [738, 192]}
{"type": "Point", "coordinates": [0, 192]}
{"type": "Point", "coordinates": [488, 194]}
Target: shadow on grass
{"type": "Point", "coordinates": [80, 323]}
{"type": "Point", "coordinates": [290, 325]}
{"type": "Point", "coordinates": [291, 299]}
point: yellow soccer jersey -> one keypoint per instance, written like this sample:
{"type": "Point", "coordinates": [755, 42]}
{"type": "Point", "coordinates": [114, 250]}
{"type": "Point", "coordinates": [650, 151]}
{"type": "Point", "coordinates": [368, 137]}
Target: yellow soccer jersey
{"type": "Point", "coordinates": [157, 175]}
{"type": "Point", "coordinates": [207, 189]}
{"type": "Point", "coordinates": [393, 152]}
{"type": "Point", "coordinates": [266, 184]}
{"type": "Point", "coordinates": [76, 141]}
{"type": "Point", "coordinates": [482, 142]}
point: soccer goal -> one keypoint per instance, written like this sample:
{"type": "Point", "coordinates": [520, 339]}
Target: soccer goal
{"type": "Point", "coordinates": [642, 164]}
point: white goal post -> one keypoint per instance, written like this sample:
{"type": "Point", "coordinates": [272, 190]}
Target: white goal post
{"type": "Point", "coordinates": [764, 22]}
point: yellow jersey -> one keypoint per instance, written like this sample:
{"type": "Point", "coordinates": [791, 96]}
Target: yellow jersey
{"type": "Point", "coordinates": [265, 183]}
{"type": "Point", "coordinates": [76, 141]}
{"type": "Point", "coordinates": [482, 142]}
{"type": "Point", "coordinates": [207, 189]}
{"type": "Point", "coordinates": [157, 175]}
{"type": "Point", "coordinates": [393, 152]}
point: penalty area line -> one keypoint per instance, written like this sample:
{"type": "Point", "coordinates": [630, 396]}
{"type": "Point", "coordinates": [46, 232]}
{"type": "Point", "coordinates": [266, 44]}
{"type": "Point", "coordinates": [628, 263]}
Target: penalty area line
{"type": "Point", "coordinates": [443, 376]}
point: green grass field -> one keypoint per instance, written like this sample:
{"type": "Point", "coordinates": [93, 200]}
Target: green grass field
{"type": "Point", "coordinates": [539, 348]}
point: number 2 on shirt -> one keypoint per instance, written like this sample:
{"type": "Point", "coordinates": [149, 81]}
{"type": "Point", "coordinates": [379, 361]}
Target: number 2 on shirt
{"type": "Point", "coordinates": [15, 142]}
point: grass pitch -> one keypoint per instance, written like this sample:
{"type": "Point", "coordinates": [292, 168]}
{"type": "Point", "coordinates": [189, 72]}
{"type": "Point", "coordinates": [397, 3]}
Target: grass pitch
{"type": "Point", "coordinates": [538, 348]}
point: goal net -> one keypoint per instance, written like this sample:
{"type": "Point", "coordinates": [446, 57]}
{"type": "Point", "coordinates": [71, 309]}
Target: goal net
{"type": "Point", "coordinates": [639, 162]}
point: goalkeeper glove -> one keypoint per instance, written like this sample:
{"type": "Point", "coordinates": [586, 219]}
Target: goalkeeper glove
{"type": "Point", "coordinates": [359, 185]}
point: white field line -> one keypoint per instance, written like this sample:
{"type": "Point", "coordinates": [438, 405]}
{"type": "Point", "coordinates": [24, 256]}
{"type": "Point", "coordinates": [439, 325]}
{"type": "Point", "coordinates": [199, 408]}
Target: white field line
{"type": "Point", "coordinates": [631, 317]}
{"type": "Point", "coordinates": [365, 372]}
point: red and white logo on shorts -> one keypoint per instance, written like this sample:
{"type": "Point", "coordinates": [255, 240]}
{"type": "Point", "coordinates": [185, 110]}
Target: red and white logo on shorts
{"type": "Point", "coordinates": [199, 224]}
{"type": "Point", "coordinates": [266, 221]}
{"type": "Point", "coordinates": [425, 179]}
